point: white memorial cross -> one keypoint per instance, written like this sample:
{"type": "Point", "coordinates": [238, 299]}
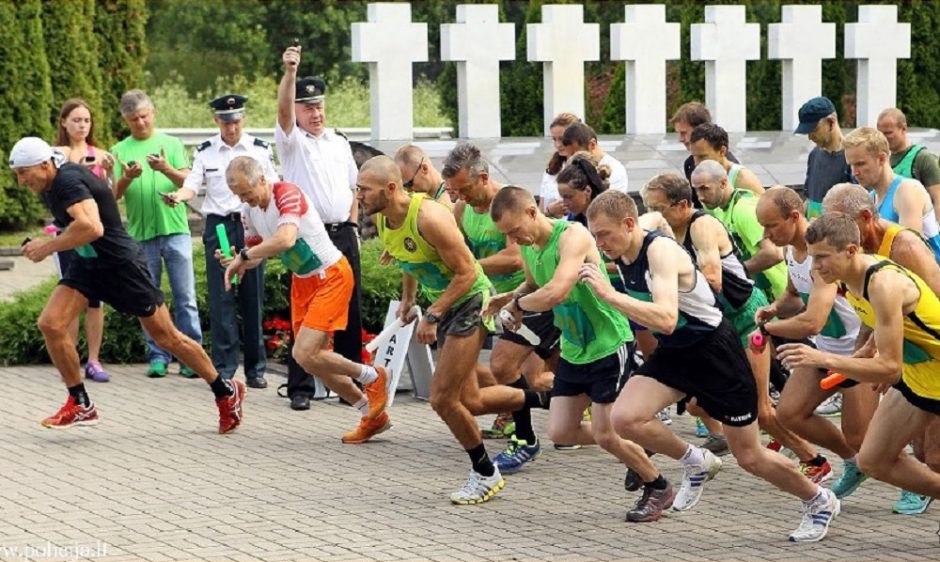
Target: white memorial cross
{"type": "Point", "coordinates": [390, 42]}
{"type": "Point", "coordinates": [563, 43]}
{"type": "Point", "coordinates": [725, 42]}
{"type": "Point", "coordinates": [646, 42]}
{"type": "Point", "coordinates": [802, 41]}
{"type": "Point", "coordinates": [878, 41]}
{"type": "Point", "coordinates": [478, 42]}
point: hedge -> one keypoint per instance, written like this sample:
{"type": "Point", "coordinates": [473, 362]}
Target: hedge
{"type": "Point", "coordinates": [123, 341]}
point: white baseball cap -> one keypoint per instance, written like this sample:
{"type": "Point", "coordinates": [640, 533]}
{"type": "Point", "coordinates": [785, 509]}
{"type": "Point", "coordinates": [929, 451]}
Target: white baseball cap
{"type": "Point", "coordinates": [30, 151]}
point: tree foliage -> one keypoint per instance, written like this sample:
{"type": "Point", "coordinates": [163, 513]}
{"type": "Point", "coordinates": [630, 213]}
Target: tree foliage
{"type": "Point", "coordinates": [120, 27]}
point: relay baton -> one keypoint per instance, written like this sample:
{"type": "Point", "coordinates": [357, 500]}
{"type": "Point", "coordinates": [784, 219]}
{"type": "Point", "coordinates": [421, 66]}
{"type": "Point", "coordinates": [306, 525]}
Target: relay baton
{"type": "Point", "coordinates": [832, 380]}
{"type": "Point", "coordinates": [224, 246]}
{"type": "Point", "coordinates": [386, 333]}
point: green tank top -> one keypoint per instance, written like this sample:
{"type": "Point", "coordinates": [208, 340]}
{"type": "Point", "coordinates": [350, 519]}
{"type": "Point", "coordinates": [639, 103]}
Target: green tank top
{"type": "Point", "coordinates": [486, 240]}
{"type": "Point", "coordinates": [590, 328]}
{"type": "Point", "coordinates": [419, 259]}
{"type": "Point", "coordinates": [906, 166]}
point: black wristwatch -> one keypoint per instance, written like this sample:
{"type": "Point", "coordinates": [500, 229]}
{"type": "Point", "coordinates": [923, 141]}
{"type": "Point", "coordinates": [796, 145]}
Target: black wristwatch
{"type": "Point", "coordinates": [431, 317]}
{"type": "Point", "coordinates": [762, 326]}
{"type": "Point", "coordinates": [243, 254]}
{"type": "Point", "coordinates": [515, 300]}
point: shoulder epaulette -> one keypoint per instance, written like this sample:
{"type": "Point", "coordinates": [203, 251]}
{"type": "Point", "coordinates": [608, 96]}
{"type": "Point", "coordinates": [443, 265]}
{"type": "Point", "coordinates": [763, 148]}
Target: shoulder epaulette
{"type": "Point", "coordinates": [341, 133]}
{"type": "Point", "coordinates": [203, 146]}
{"type": "Point", "coordinates": [262, 143]}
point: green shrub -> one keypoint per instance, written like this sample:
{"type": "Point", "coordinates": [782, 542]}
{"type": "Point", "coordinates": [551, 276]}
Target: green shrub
{"type": "Point", "coordinates": [123, 340]}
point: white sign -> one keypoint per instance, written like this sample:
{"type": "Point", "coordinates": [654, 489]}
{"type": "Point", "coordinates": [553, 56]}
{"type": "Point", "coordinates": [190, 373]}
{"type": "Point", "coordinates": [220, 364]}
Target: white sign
{"type": "Point", "coordinates": [802, 41]}
{"type": "Point", "coordinates": [394, 346]}
{"type": "Point", "coordinates": [646, 42]}
{"type": "Point", "coordinates": [726, 42]}
{"type": "Point", "coordinates": [478, 42]}
{"type": "Point", "coordinates": [877, 41]}
{"type": "Point", "coordinates": [563, 43]}
{"type": "Point", "coordinates": [390, 43]}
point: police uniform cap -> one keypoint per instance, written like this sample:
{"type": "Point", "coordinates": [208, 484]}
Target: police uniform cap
{"type": "Point", "coordinates": [230, 107]}
{"type": "Point", "coordinates": [311, 89]}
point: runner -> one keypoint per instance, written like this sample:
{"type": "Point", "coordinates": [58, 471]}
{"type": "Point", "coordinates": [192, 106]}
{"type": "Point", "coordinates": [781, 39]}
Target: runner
{"type": "Point", "coordinates": [280, 221]}
{"type": "Point", "coordinates": [111, 269]}
{"type": "Point", "coordinates": [670, 295]}
{"type": "Point", "coordinates": [596, 342]}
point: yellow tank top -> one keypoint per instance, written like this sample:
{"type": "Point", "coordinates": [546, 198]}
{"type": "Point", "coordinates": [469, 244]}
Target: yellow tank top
{"type": "Point", "coordinates": [419, 259]}
{"type": "Point", "coordinates": [921, 331]}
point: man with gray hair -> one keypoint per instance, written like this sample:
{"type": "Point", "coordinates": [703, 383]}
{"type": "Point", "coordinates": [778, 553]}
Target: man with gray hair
{"type": "Point", "coordinates": [151, 166]}
{"type": "Point", "coordinates": [737, 210]}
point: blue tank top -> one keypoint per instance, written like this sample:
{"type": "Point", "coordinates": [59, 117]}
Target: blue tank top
{"type": "Point", "coordinates": [930, 229]}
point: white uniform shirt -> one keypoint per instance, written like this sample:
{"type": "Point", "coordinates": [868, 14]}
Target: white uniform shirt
{"type": "Point", "coordinates": [618, 173]}
{"type": "Point", "coordinates": [313, 251]}
{"type": "Point", "coordinates": [210, 161]}
{"type": "Point", "coordinates": [323, 167]}
{"type": "Point", "coordinates": [548, 192]}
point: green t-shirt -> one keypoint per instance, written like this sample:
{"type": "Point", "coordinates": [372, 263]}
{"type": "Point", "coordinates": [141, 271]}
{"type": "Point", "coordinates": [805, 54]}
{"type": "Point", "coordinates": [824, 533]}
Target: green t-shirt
{"type": "Point", "coordinates": [590, 328]}
{"type": "Point", "coordinates": [486, 240]}
{"type": "Point", "coordinates": [923, 167]}
{"type": "Point", "coordinates": [740, 218]}
{"type": "Point", "coordinates": [147, 215]}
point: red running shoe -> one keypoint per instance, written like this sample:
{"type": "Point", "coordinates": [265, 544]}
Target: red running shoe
{"type": "Point", "coordinates": [230, 408]}
{"type": "Point", "coordinates": [774, 445]}
{"type": "Point", "coordinates": [377, 393]}
{"type": "Point", "coordinates": [817, 474]}
{"type": "Point", "coordinates": [72, 414]}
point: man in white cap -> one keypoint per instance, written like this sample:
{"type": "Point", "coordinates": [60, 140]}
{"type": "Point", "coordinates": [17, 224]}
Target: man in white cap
{"type": "Point", "coordinates": [110, 268]}
{"type": "Point", "coordinates": [222, 207]}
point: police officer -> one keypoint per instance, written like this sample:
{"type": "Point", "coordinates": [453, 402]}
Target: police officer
{"type": "Point", "coordinates": [221, 206]}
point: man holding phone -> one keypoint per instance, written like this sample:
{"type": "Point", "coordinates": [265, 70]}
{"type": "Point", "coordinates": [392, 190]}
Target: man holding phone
{"type": "Point", "coordinates": [151, 165]}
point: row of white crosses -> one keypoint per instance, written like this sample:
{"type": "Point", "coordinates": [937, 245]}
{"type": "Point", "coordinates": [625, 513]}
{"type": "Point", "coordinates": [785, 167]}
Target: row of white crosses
{"type": "Point", "coordinates": [390, 43]}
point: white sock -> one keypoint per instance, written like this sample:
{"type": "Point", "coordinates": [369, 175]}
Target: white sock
{"type": "Point", "coordinates": [852, 460]}
{"type": "Point", "coordinates": [820, 495]}
{"type": "Point", "coordinates": [363, 406]}
{"type": "Point", "coordinates": [694, 456]}
{"type": "Point", "coordinates": [368, 375]}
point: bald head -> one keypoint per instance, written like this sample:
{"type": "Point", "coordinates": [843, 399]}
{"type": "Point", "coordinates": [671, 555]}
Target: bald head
{"type": "Point", "coordinates": [850, 199]}
{"type": "Point", "coordinates": [382, 169]}
{"type": "Point", "coordinates": [410, 155]}
{"type": "Point", "coordinates": [894, 115]}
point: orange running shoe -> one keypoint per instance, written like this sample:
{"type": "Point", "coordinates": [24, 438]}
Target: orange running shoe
{"type": "Point", "coordinates": [816, 474]}
{"type": "Point", "coordinates": [230, 408]}
{"type": "Point", "coordinates": [72, 414]}
{"type": "Point", "coordinates": [367, 429]}
{"type": "Point", "coordinates": [377, 393]}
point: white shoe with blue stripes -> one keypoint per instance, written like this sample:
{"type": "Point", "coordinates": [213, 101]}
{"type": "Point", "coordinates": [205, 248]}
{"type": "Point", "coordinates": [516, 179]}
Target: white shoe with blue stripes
{"type": "Point", "coordinates": [693, 481]}
{"type": "Point", "coordinates": [817, 515]}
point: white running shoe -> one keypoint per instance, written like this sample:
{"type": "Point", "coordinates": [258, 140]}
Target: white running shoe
{"type": "Point", "coordinates": [693, 482]}
{"type": "Point", "coordinates": [478, 488]}
{"type": "Point", "coordinates": [817, 515]}
{"type": "Point", "coordinates": [832, 406]}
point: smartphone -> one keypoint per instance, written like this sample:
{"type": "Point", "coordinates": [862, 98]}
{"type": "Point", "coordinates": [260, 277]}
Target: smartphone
{"type": "Point", "coordinates": [131, 163]}
{"type": "Point", "coordinates": [155, 156]}
{"type": "Point", "coordinates": [25, 241]}
{"type": "Point", "coordinates": [295, 42]}
{"type": "Point", "coordinates": [89, 159]}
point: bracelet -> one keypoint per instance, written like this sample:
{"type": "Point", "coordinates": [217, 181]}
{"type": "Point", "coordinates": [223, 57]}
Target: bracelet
{"type": "Point", "coordinates": [763, 328]}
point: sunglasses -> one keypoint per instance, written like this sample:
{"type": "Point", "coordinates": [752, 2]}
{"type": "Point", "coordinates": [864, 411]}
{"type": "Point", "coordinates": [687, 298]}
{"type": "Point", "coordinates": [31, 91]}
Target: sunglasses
{"type": "Point", "coordinates": [408, 184]}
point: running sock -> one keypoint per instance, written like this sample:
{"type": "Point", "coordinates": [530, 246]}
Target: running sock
{"type": "Point", "coordinates": [221, 387]}
{"type": "Point", "coordinates": [368, 375]}
{"type": "Point", "coordinates": [820, 494]}
{"type": "Point", "coordinates": [481, 461]}
{"type": "Point", "coordinates": [693, 457]}
{"type": "Point", "coordinates": [523, 416]}
{"type": "Point", "coordinates": [78, 393]}
{"type": "Point", "coordinates": [362, 405]}
{"type": "Point", "coordinates": [658, 484]}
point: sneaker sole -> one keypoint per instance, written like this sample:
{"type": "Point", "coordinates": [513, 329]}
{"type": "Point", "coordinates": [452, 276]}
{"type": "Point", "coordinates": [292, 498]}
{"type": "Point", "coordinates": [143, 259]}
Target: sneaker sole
{"type": "Point", "coordinates": [489, 495]}
{"type": "Point", "coordinates": [656, 516]}
{"type": "Point", "coordinates": [383, 429]}
{"type": "Point", "coordinates": [86, 423]}
{"type": "Point", "coordinates": [851, 490]}
{"type": "Point", "coordinates": [825, 478]}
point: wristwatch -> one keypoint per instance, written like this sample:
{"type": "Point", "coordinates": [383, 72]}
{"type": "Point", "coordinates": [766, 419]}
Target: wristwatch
{"type": "Point", "coordinates": [243, 254]}
{"type": "Point", "coordinates": [431, 317]}
{"type": "Point", "coordinates": [763, 328]}
{"type": "Point", "coordinates": [515, 300]}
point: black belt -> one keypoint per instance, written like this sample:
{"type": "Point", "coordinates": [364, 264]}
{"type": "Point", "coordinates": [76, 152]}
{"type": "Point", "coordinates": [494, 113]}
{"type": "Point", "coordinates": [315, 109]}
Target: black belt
{"type": "Point", "coordinates": [337, 226]}
{"type": "Point", "coordinates": [234, 217]}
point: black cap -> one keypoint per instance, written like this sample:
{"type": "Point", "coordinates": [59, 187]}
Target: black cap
{"type": "Point", "coordinates": [311, 89]}
{"type": "Point", "coordinates": [812, 112]}
{"type": "Point", "coordinates": [230, 107]}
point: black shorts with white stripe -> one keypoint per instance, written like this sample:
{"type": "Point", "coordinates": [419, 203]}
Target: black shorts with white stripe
{"type": "Point", "coordinates": [601, 379]}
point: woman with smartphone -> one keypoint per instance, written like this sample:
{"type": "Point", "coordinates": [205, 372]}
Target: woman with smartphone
{"type": "Point", "coordinates": [77, 141]}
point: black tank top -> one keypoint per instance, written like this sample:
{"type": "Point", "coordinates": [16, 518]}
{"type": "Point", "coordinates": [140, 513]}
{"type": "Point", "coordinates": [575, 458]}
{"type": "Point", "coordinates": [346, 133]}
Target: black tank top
{"type": "Point", "coordinates": [736, 287]}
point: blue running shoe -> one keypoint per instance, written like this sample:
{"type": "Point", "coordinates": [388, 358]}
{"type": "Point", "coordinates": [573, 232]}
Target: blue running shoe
{"type": "Point", "coordinates": [850, 480]}
{"type": "Point", "coordinates": [911, 504]}
{"type": "Point", "coordinates": [700, 429]}
{"type": "Point", "coordinates": [516, 455]}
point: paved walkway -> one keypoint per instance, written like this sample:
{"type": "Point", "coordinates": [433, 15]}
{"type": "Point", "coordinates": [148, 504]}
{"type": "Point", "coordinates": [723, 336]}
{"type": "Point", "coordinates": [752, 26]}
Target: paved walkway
{"type": "Point", "coordinates": [155, 482]}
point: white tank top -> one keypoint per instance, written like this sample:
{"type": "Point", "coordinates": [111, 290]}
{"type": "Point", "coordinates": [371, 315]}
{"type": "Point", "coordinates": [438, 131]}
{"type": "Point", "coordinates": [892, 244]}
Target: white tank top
{"type": "Point", "coordinates": [841, 329]}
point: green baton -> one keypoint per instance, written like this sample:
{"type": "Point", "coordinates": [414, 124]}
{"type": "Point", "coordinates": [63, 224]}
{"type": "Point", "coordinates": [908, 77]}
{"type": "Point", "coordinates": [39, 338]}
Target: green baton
{"type": "Point", "coordinates": [225, 246]}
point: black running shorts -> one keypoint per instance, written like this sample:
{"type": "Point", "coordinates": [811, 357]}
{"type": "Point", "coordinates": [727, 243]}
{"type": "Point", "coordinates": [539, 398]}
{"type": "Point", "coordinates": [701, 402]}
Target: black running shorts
{"type": "Point", "coordinates": [126, 287]}
{"type": "Point", "coordinates": [539, 332]}
{"type": "Point", "coordinates": [601, 379]}
{"type": "Point", "coordinates": [714, 371]}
